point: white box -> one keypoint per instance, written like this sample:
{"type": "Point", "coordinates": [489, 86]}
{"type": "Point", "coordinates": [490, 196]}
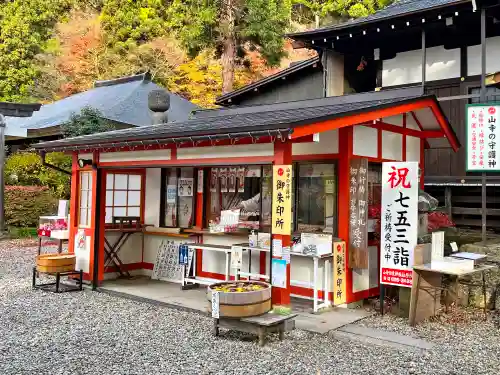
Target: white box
{"type": "Point", "coordinates": [316, 243]}
{"type": "Point", "coordinates": [264, 240]}
{"type": "Point", "coordinates": [452, 264]}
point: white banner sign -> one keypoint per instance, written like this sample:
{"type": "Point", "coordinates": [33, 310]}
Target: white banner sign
{"type": "Point", "coordinates": [215, 304]}
{"type": "Point", "coordinates": [483, 137]}
{"type": "Point", "coordinates": [399, 222]}
{"type": "Point", "coordinates": [236, 256]}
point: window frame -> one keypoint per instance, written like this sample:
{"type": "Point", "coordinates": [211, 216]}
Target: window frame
{"type": "Point", "coordinates": [163, 199]}
{"type": "Point", "coordinates": [296, 170]}
{"type": "Point", "coordinates": [207, 197]}
{"type": "Point", "coordinates": [142, 192]}
{"type": "Point", "coordinates": [89, 192]}
{"type": "Point", "coordinates": [206, 193]}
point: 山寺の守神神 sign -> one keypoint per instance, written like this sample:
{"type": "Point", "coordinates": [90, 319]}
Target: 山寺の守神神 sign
{"type": "Point", "coordinates": [483, 138]}
{"type": "Point", "coordinates": [399, 222]}
{"type": "Point", "coordinates": [282, 200]}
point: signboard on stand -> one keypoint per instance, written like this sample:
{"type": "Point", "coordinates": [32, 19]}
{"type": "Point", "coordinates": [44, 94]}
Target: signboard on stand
{"type": "Point", "coordinates": [483, 138]}
{"type": "Point", "coordinates": [339, 274]}
{"type": "Point", "coordinates": [399, 222]}
{"type": "Point", "coordinates": [282, 200]}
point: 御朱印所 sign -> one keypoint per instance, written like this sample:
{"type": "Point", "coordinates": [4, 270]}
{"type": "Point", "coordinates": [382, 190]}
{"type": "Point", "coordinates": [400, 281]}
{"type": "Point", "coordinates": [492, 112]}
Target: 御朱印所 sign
{"type": "Point", "coordinates": [282, 200]}
{"type": "Point", "coordinates": [483, 138]}
{"type": "Point", "coordinates": [399, 222]}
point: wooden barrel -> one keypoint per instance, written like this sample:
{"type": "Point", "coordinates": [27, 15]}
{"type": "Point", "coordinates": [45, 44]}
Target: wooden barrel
{"type": "Point", "coordinates": [52, 263]}
{"type": "Point", "coordinates": [241, 304]}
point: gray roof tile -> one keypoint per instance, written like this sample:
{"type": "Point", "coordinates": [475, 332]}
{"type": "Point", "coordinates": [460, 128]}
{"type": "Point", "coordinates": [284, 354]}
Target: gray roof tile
{"type": "Point", "coordinates": [247, 119]}
{"type": "Point", "coordinates": [397, 9]}
{"type": "Point", "coordinates": [125, 101]}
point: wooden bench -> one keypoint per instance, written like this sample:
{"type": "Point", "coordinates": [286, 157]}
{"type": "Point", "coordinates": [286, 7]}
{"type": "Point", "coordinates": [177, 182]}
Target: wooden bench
{"type": "Point", "coordinates": [260, 325]}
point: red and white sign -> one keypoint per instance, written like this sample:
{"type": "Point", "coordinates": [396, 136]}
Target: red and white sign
{"type": "Point", "coordinates": [483, 137]}
{"type": "Point", "coordinates": [399, 222]}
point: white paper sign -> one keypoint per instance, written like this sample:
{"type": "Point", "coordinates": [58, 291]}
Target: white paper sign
{"type": "Point", "coordinates": [236, 256]}
{"type": "Point", "coordinates": [454, 246]}
{"type": "Point", "coordinates": [171, 193]}
{"type": "Point", "coordinates": [277, 248]}
{"type": "Point", "coordinates": [278, 269]}
{"type": "Point", "coordinates": [215, 304]}
{"type": "Point", "coordinates": [200, 181]}
{"type": "Point", "coordinates": [483, 137]}
{"type": "Point", "coordinates": [399, 222]}
{"type": "Point", "coordinates": [186, 187]}
{"type": "Point", "coordinates": [286, 254]}
{"type": "Point", "coordinates": [437, 246]}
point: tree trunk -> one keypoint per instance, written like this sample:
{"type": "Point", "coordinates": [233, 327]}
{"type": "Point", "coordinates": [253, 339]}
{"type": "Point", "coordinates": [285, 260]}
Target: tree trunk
{"type": "Point", "coordinates": [228, 45]}
{"type": "Point", "coordinates": [316, 20]}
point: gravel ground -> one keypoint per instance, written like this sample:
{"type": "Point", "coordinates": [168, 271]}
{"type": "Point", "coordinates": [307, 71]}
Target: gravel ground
{"type": "Point", "coordinates": [93, 333]}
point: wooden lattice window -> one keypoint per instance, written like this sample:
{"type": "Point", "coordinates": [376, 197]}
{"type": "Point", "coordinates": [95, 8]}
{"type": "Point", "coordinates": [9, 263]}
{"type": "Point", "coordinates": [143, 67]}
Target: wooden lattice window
{"type": "Point", "coordinates": [123, 195]}
{"type": "Point", "coordinates": [85, 212]}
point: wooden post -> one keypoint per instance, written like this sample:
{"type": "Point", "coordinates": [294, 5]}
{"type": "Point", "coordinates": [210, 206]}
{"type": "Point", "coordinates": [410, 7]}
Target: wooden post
{"type": "Point", "coordinates": [282, 156]}
{"type": "Point", "coordinates": [483, 100]}
{"type": "Point", "coordinates": [447, 201]}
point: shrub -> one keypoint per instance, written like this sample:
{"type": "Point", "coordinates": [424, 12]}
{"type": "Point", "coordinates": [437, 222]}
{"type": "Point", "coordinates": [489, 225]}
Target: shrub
{"type": "Point", "coordinates": [25, 204]}
{"type": "Point", "coordinates": [26, 169]}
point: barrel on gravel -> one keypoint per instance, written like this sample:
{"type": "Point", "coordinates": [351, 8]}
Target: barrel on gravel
{"type": "Point", "coordinates": [53, 263]}
{"type": "Point", "coordinates": [241, 299]}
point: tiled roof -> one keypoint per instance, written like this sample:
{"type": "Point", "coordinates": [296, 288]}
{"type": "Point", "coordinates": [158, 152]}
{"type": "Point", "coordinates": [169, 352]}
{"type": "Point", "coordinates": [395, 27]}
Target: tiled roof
{"type": "Point", "coordinates": [124, 100]}
{"type": "Point", "coordinates": [248, 119]}
{"type": "Point", "coordinates": [18, 109]}
{"type": "Point", "coordinates": [295, 68]}
{"type": "Point", "coordinates": [397, 9]}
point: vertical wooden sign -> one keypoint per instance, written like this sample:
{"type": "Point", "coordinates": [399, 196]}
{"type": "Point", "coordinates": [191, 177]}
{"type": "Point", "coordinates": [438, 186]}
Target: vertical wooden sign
{"type": "Point", "coordinates": [339, 273]}
{"type": "Point", "coordinates": [358, 213]}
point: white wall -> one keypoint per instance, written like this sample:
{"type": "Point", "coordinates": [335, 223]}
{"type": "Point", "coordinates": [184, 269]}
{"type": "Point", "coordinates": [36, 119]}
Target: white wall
{"type": "Point", "coordinates": [146, 155]}
{"type": "Point", "coordinates": [412, 148]}
{"type": "Point", "coordinates": [262, 149]}
{"type": "Point", "coordinates": [492, 57]}
{"type": "Point", "coordinates": [364, 279]}
{"type": "Point", "coordinates": [406, 67]}
{"type": "Point", "coordinates": [328, 144]}
{"type": "Point", "coordinates": [365, 141]}
{"type": "Point", "coordinates": [152, 197]}
{"type": "Point", "coordinates": [392, 145]}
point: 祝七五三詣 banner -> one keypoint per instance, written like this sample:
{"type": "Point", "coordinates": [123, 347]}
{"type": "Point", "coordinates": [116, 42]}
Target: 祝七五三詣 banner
{"type": "Point", "coordinates": [399, 222]}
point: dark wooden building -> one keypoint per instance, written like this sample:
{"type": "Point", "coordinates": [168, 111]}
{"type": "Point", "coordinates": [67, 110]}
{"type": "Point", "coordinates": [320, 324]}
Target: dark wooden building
{"type": "Point", "coordinates": [387, 50]}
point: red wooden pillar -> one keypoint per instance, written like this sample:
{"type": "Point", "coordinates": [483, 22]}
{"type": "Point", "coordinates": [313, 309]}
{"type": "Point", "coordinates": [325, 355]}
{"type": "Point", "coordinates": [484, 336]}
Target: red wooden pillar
{"type": "Point", "coordinates": [422, 163]}
{"type": "Point", "coordinates": [73, 204]}
{"type": "Point", "coordinates": [199, 217]}
{"type": "Point", "coordinates": [346, 152]}
{"type": "Point", "coordinates": [282, 156]}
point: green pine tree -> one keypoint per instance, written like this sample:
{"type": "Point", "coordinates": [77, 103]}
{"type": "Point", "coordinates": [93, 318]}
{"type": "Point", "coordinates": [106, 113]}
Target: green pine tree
{"type": "Point", "coordinates": [231, 27]}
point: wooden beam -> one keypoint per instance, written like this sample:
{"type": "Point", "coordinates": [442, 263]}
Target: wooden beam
{"type": "Point", "coordinates": [475, 211]}
{"type": "Point", "coordinates": [405, 131]}
{"type": "Point", "coordinates": [359, 118]}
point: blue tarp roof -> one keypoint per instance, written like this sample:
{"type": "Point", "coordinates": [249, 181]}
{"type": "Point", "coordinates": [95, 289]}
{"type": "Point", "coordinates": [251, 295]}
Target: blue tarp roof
{"type": "Point", "coordinates": [123, 100]}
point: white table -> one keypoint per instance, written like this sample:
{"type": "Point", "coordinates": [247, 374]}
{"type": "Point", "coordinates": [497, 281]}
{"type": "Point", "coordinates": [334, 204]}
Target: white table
{"type": "Point", "coordinates": [326, 270]}
{"type": "Point", "coordinates": [249, 274]}
{"type": "Point", "coordinates": [218, 248]}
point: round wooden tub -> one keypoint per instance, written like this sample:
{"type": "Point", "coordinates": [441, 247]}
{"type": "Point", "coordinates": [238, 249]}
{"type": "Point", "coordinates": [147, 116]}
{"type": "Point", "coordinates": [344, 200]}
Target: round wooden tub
{"type": "Point", "coordinates": [240, 299]}
{"type": "Point", "coordinates": [52, 263]}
